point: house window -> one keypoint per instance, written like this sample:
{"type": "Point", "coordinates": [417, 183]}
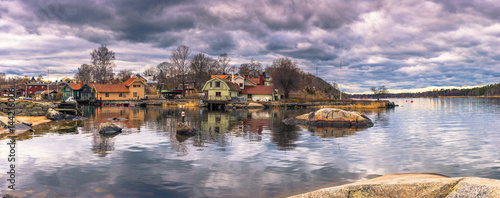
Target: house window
{"type": "Point", "coordinates": [241, 84]}
{"type": "Point", "coordinates": [120, 95]}
{"type": "Point", "coordinates": [217, 84]}
{"type": "Point", "coordinates": [249, 96]}
{"type": "Point", "coordinates": [217, 94]}
{"type": "Point", "coordinates": [107, 94]}
{"type": "Point", "coordinates": [68, 94]}
{"type": "Point", "coordinates": [29, 87]}
{"type": "Point", "coordinates": [135, 94]}
{"type": "Point", "coordinates": [210, 84]}
{"type": "Point", "coordinates": [67, 88]}
{"type": "Point", "coordinates": [138, 85]}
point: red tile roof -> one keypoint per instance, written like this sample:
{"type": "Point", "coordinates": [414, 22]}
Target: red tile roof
{"type": "Point", "coordinates": [254, 80]}
{"type": "Point", "coordinates": [129, 81]}
{"type": "Point", "coordinates": [111, 88]}
{"type": "Point", "coordinates": [75, 86]}
{"type": "Point", "coordinates": [259, 89]}
{"type": "Point", "coordinates": [221, 76]}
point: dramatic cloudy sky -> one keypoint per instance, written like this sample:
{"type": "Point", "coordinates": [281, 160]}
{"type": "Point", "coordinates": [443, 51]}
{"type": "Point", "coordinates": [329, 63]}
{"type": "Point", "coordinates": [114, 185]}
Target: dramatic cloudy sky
{"type": "Point", "coordinates": [404, 45]}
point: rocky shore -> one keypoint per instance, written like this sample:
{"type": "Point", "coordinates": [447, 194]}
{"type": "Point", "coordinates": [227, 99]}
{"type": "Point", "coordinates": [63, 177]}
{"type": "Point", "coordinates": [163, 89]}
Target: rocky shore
{"type": "Point", "coordinates": [29, 108]}
{"type": "Point", "coordinates": [413, 185]}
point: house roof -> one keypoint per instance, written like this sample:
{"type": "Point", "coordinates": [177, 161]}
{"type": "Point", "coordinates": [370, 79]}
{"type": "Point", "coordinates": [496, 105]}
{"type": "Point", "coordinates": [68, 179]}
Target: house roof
{"type": "Point", "coordinates": [221, 76]}
{"type": "Point", "coordinates": [110, 88]}
{"type": "Point", "coordinates": [129, 81]}
{"type": "Point", "coordinates": [74, 86]}
{"type": "Point", "coordinates": [255, 80]}
{"type": "Point", "coordinates": [231, 85]}
{"type": "Point", "coordinates": [259, 89]}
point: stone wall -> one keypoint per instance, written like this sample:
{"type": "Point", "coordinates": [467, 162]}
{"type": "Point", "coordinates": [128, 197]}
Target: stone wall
{"type": "Point", "coordinates": [29, 108]}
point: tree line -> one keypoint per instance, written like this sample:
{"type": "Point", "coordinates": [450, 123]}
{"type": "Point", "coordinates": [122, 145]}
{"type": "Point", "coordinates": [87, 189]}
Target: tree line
{"type": "Point", "coordinates": [184, 67]}
{"type": "Point", "coordinates": [488, 90]}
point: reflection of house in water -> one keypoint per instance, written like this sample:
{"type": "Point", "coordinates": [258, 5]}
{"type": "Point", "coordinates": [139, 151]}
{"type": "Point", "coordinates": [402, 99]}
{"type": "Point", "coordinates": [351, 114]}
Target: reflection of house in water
{"type": "Point", "coordinates": [134, 116]}
{"type": "Point", "coordinates": [258, 121]}
{"type": "Point", "coordinates": [217, 122]}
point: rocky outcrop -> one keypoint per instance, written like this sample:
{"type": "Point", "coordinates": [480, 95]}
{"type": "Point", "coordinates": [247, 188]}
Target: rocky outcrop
{"type": "Point", "coordinates": [29, 108]}
{"type": "Point", "coordinates": [108, 128]}
{"type": "Point", "coordinates": [330, 117]}
{"type": "Point", "coordinates": [413, 185]}
{"type": "Point", "coordinates": [184, 129]}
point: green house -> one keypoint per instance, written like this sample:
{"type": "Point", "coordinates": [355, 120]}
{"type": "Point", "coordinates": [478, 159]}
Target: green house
{"type": "Point", "coordinates": [222, 90]}
{"type": "Point", "coordinates": [78, 91]}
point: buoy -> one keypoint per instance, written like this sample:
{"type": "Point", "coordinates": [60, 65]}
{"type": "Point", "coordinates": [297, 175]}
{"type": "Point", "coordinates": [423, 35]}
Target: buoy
{"type": "Point", "coordinates": [115, 105]}
{"type": "Point", "coordinates": [128, 105]}
{"type": "Point", "coordinates": [109, 105]}
{"type": "Point", "coordinates": [412, 101]}
{"type": "Point", "coordinates": [122, 105]}
{"type": "Point", "coordinates": [102, 105]}
{"type": "Point", "coordinates": [407, 101]}
{"type": "Point", "coordinates": [183, 114]}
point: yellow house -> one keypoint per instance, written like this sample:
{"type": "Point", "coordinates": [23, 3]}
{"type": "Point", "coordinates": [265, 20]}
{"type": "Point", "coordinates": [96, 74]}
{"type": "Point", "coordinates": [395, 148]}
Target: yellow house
{"type": "Point", "coordinates": [137, 87]}
{"type": "Point", "coordinates": [132, 89]}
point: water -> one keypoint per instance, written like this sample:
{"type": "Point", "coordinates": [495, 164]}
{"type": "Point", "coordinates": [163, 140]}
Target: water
{"type": "Point", "coordinates": [250, 153]}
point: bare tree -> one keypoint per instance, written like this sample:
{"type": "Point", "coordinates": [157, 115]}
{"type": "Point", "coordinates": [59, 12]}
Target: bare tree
{"type": "Point", "coordinates": [180, 59]}
{"type": "Point", "coordinates": [255, 68]}
{"type": "Point", "coordinates": [380, 91]}
{"type": "Point", "coordinates": [244, 69]}
{"type": "Point", "coordinates": [285, 74]}
{"type": "Point", "coordinates": [85, 73]}
{"type": "Point", "coordinates": [202, 67]}
{"type": "Point", "coordinates": [150, 72]}
{"type": "Point", "coordinates": [125, 74]}
{"type": "Point", "coordinates": [223, 63]}
{"type": "Point", "coordinates": [166, 75]}
{"type": "Point", "coordinates": [103, 60]}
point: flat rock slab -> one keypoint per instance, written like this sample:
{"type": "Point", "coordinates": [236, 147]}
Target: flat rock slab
{"type": "Point", "coordinates": [413, 185]}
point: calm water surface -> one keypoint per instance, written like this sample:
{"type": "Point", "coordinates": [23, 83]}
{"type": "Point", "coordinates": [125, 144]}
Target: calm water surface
{"type": "Point", "coordinates": [250, 153]}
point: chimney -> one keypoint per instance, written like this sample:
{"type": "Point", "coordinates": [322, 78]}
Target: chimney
{"type": "Point", "coordinates": [261, 79]}
{"type": "Point", "coordinates": [81, 83]}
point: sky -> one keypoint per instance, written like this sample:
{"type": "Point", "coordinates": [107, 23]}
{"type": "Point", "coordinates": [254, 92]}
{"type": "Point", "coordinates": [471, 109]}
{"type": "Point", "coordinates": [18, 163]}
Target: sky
{"type": "Point", "coordinates": [410, 45]}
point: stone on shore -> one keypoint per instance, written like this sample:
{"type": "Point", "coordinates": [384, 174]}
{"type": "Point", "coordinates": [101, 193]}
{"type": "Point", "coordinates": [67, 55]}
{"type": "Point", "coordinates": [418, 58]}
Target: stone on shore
{"type": "Point", "coordinates": [184, 129]}
{"type": "Point", "coordinates": [55, 115]}
{"type": "Point", "coordinates": [108, 128]}
{"type": "Point", "coordinates": [413, 185]}
{"type": "Point", "coordinates": [331, 117]}
{"type": "Point", "coordinates": [254, 105]}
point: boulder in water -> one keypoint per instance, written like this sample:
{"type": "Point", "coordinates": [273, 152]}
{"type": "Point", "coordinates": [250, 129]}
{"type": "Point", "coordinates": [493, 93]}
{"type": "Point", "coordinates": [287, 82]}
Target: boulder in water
{"type": "Point", "coordinates": [331, 117]}
{"type": "Point", "coordinates": [184, 129]}
{"type": "Point", "coordinates": [108, 128]}
{"type": "Point", "coordinates": [55, 115]}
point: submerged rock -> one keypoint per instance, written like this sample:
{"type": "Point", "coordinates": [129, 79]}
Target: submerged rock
{"type": "Point", "coordinates": [331, 117]}
{"type": "Point", "coordinates": [108, 128]}
{"type": "Point", "coordinates": [184, 129]}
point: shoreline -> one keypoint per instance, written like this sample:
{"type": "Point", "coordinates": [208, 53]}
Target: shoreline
{"type": "Point", "coordinates": [411, 185]}
{"type": "Point", "coordinates": [34, 120]}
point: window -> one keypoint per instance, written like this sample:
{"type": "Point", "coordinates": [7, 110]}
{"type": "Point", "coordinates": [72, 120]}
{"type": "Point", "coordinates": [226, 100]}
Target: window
{"type": "Point", "coordinates": [135, 94]}
{"type": "Point", "coordinates": [107, 94]}
{"type": "Point", "coordinates": [29, 87]}
{"type": "Point", "coordinates": [217, 84]}
{"type": "Point", "coordinates": [217, 94]}
{"type": "Point", "coordinates": [210, 84]}
{"type": "Point", "coordinates": [241, 84]}
{"type": "Point", "coordinates": [120, 95]}
{"type": "Point", "coordinates": [67, 94]}
{"type": "Point", "coordinates": [249, 96]}
{"type": "Point", "coordinates": [138, 85]}
{"type": "Point", "coordinates": [67, 88]}
{"type": "Point", "coordinates": [30, 92]}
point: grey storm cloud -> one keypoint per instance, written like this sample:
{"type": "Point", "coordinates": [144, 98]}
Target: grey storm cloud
{"type": "Point", "coordinates": [400, 44]}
